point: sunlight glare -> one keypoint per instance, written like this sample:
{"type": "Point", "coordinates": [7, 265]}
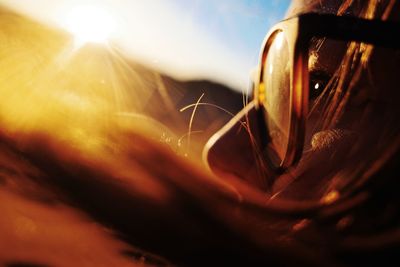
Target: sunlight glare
{"type": "Point", "coordinates": [89, 24]}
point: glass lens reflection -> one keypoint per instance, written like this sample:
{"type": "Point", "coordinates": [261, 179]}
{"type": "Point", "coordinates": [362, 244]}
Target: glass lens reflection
{"type": "Point", "coordinates": [276, 82]}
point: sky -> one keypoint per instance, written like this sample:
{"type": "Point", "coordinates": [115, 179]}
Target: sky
{"type": "Point", "coordinates": [187, 39]}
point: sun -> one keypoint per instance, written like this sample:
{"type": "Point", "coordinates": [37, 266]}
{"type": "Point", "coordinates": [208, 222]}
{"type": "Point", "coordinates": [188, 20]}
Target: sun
{"type": "Point", "coordinates": [89, 24]}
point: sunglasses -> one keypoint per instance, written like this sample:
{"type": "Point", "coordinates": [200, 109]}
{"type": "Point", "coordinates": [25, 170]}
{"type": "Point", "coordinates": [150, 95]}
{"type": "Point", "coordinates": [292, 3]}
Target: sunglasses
{"type": "Point", "coordinates": [281, 88]}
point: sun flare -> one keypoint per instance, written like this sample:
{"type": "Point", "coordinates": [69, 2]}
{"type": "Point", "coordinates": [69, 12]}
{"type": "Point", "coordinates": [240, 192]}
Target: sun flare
{"type": "Point", "coordinates": [89, 24]}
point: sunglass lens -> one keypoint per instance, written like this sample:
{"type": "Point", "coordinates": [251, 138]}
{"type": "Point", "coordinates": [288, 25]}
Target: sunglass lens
{"type": "Point", "coordinates": [275, 95]}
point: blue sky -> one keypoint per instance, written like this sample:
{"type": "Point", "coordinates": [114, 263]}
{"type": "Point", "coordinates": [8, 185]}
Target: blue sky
{"type": "Point", "coordinates": [187, 39]}
{"type": "Point", "coordinates": [240, 24]}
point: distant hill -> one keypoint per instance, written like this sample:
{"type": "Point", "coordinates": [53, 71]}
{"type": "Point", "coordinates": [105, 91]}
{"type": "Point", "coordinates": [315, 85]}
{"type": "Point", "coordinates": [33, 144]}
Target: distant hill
{"type": "Point", "coordinates": [169, 96]}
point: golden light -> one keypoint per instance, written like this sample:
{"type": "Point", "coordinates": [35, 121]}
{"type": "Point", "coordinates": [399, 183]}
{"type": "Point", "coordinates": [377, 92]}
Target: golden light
{"type": "Point", "coordinates": [89, 24]}
{"type": "Point", "coordinates": [279, 39]}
